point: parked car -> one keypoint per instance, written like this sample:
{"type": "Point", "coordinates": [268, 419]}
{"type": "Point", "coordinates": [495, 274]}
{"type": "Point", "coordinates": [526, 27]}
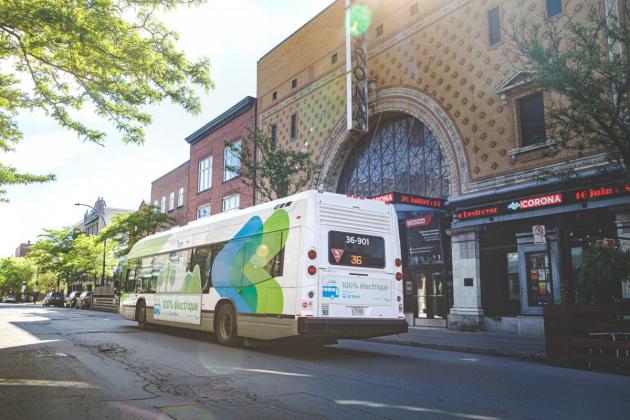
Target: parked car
{"type": "Point", "coordinates": [10, 299]}
{"type": "Point", "coordinates": [84, 301]}
{"type": "Point", "coordinates": [54, 299]}
{"type": "Point", "coordinates": [71, 300]}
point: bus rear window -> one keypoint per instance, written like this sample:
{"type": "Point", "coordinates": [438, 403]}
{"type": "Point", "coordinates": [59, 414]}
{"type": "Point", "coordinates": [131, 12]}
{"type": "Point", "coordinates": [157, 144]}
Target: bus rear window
{"type": "Point", "coordinates": [356, 250]}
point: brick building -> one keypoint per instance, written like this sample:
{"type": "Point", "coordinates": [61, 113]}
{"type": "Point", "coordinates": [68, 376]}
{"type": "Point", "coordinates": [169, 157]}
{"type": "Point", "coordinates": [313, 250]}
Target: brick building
{"type": "Point", "coordinates": [23, 249]}
{"type": "Point", "coordinates": [212, 188]}
{"type": "Point", "coordinates": [170, 193]}
{"type": "Point", "coordinates": [452, 133]}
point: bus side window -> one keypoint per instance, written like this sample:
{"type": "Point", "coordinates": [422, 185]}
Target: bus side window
{"type": "Point", "coordinates": [202, 258]}
{"type": "Point", "coordinates": [275, 266]}
{"type": "Point", "coordinates": [258, 253]}
{"type": "Point", "coordinates": [216, 248]}
{"type": "Point", "coordinates": [131, 280]}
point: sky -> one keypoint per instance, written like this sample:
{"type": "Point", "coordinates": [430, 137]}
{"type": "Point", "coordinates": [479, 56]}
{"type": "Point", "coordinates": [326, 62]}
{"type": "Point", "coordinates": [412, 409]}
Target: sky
{"type": "Point", "coordinates": [234, 34]}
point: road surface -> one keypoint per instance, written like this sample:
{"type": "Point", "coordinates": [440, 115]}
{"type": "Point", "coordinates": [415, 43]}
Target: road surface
{"type": "Point", "coordinates": [65, 363]}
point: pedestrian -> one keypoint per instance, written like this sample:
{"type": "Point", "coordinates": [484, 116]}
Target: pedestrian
{"type": "Point", "coordinates": [35, 293]}
{"type": "Point", "coordinates": [23, 297]}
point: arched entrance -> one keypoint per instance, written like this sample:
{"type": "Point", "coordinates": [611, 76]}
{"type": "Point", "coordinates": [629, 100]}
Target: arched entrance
{"type": "Point", "coordinates": [402, 155]}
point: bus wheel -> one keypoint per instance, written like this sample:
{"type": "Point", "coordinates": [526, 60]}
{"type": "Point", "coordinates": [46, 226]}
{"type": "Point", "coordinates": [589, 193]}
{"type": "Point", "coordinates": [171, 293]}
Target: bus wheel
{"type": "Point", "coordinates": [226, 326]}
{"type": "Point", "coordinates": [141, 315]}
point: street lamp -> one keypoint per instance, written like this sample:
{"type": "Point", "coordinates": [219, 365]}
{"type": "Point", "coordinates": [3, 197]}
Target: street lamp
{"type": "Point", "coordinates": [104, 241]}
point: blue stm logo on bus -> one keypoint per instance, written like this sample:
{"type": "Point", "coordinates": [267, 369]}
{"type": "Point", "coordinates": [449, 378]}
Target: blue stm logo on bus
{"type": "Point", "coordinates": [331, 292]}
{"type": "Point", "coordinates": [156, 309]}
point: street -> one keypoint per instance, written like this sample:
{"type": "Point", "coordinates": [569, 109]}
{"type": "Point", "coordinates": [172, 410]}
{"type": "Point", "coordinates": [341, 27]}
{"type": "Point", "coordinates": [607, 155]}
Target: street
{"type": "Point", "coordinates": [61, 363]}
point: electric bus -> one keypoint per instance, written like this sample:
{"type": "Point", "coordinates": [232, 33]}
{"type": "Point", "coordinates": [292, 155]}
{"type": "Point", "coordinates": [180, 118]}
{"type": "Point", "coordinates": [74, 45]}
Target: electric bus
{"type": "Point", "coordinates": [315, 265]}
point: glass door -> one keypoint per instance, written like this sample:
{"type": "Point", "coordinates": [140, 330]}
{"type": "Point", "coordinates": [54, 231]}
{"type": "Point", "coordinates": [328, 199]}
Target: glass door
{"type": "Point", "coordinates": [431, 297]}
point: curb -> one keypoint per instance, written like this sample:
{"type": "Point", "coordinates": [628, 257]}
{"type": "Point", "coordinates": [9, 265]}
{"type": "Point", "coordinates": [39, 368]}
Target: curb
{"type": "Point", "coordinates": [535, 357]}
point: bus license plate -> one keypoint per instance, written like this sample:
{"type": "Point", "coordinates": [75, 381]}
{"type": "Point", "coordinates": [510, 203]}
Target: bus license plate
{"type": "Point", "coordinates": [357, 310]}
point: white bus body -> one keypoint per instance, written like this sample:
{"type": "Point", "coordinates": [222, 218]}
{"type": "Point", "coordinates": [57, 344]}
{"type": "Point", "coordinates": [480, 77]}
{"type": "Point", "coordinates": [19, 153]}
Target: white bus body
{"type": "Point", "coordinates": [314, 264]}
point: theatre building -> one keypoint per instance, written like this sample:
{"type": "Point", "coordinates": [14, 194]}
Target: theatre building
{"type": "Point", "coordinates": [433, 118]}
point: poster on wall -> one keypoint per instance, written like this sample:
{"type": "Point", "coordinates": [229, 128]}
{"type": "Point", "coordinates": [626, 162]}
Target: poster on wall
{"type": "Point", "coordinates": [538, 279]}
{"type": "Point", "coordinates": [424, 240]}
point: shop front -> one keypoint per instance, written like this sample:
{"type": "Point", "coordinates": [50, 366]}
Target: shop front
{"type": "Point", "coordinates": [530, 245]}
{"type": "Point", "coordinates": [423, 223]}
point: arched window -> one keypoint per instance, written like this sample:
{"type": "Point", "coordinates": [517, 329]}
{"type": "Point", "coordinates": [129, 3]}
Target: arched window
{"type": "Point", "coordinates": [402, 155]}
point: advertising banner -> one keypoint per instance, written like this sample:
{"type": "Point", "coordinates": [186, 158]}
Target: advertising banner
{"type": "Point", "coordinates": [424, 240]}
{"type": "Point", "coordinates": [356, 73]}
{"type": "Point", "coordinates": [178, 308]}
{"type": "Point", "coordinates": [357, 291]}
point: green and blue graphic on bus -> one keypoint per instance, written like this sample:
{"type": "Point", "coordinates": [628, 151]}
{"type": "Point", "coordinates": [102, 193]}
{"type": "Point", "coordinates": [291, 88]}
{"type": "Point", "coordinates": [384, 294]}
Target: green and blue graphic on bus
{"type": "Point", "coordinates": [238, 271]}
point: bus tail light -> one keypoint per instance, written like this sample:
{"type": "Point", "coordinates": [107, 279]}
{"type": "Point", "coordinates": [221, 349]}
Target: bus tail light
{"type": "Point", "coordinates": [398, 262]}
{"type": "Point", "coordinates": [312, 254]}
{"type": "Point", "coordinates": [399, 276]}
{"type": "Point", "coordinates": [312, 270]}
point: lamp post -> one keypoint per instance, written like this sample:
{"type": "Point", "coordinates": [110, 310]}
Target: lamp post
{"type": "Point", "coordinates": [104, 241]}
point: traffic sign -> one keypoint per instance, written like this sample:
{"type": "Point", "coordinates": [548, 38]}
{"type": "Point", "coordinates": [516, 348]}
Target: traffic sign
{"type": "Point", "coordinates": [539, 234]}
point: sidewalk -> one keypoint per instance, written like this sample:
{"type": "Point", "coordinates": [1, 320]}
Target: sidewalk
{"type": "Point", "coordinates": [484, 342]}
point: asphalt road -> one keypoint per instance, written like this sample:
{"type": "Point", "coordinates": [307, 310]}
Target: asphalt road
{"type": "Point", "coordinates": [66, 363]}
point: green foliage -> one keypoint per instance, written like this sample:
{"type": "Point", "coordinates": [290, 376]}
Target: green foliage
{"type": "Point", "coordinates": [58, 55]}
{"type": "Point", "coordinates": [71, 255]}
{"type": "Point", "coordinates": [600, 275]}
{"type": "Point", "coordinates": [14, 272]}
{"type": "Point", "coordinates": [580, 59]}
{"type": "Point", "coordinates": [272, 172]}
{"type": "Point", "coordinates": [128, 228]}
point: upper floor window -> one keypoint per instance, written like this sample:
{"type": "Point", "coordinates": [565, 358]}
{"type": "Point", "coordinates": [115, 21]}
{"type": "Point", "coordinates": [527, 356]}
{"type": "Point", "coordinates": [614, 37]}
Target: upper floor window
{"type": "Point", "coordinates": [274, 135]}
{"type": "Point", "coordinates": [293, 83]}
{"type": "Point", "coordinates": [554, 7]}
{"type": "Point", "coordinates": [379, 30]}
{"type": "Point", "coordinates": [163, 204]}
{"type": "Point", "coordinates": [531, 111]}
{"type": "Point", "coordinates": [204, 211]}
{"type": "Point", "coordinates": [274, 95]}
{"type": "Point", "coordinates": [205, 174]}
{"type": "Point", "coordinates": [293, 126]}
{"type": "Point", "coordinates": [494, 22]}
{"type": "Point", "coordinates": [231, 161]}
{"type": "Point", "coordinates": [231, 202]}
{"type": "Point", "coordinates": [334, 58]}
{"type": "Point", "coordinates": [171, 201]}
{"type": "Point", "coordinates": [180, 197]}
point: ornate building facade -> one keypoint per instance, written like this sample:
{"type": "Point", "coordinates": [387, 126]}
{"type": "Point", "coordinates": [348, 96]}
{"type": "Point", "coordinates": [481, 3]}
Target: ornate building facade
{"type": "Point", "coordinates": [451, 140]}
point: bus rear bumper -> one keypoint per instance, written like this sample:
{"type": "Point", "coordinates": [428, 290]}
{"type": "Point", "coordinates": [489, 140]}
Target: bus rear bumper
{"type": "Point", "coordinates": [351, 327]}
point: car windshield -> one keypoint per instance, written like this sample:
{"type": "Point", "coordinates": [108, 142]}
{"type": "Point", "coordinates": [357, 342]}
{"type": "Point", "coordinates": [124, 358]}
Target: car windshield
{"type": "Point", "coordinates": [57, 295]}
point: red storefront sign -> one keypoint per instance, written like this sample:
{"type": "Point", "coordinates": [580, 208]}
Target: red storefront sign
{"type": "Point", "coordinates": [414, 200]}
{"type": "Point", "coordinates": [549, 200]}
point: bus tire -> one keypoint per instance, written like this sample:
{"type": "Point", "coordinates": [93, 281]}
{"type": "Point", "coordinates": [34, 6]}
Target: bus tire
{"type": "Point", "coordinates": [226, 326]}
{"type": "Point", "coordinates": [141, 315]}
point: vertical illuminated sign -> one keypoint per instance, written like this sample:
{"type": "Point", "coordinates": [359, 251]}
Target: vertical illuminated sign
{"type": "Point", "coordinates": [356, 68]}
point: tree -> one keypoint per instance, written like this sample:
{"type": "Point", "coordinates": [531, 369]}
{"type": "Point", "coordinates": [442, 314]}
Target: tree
{"type": "Point", "coordinates": [579, 58]}
{"type": "Point", "coordinates": [128, 228]}
{"type": "Point", "coordinates": [13, 272]}
{"type": "Point", "coordinates": [113, 54]}
{"type": "Point", "coordinates": [600, 275]}
{"type": "Point", "coordinates": [71, 255]}
{"type": "Point", "coordinates": [272, 172]}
